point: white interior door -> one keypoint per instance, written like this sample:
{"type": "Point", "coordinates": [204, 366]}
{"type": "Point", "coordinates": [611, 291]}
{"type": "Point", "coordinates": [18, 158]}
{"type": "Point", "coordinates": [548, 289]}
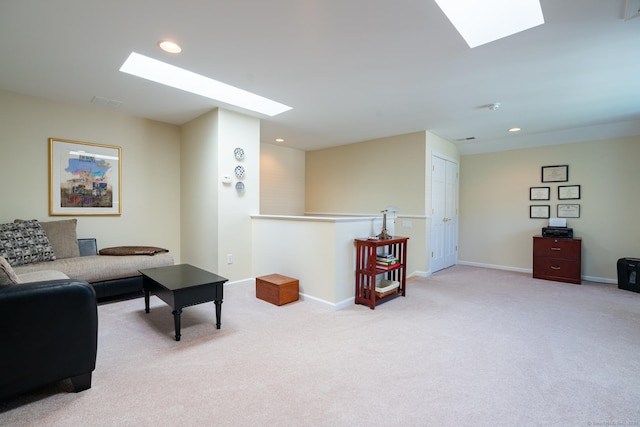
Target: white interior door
{"type": "Point", "coordinates": [444, 215]}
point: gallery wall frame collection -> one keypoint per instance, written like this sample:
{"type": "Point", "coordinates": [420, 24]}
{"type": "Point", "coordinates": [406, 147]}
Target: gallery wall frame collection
{"type": "Point", "coordinates": [549, 174]}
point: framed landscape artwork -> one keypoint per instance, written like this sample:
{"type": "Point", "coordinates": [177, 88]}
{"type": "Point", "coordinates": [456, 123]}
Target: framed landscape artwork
{"type": "Point", "coordinates": [84, 178]}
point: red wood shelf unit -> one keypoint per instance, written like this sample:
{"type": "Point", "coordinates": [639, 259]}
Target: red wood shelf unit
{"type": "Point", "coordinates": [367, 271]}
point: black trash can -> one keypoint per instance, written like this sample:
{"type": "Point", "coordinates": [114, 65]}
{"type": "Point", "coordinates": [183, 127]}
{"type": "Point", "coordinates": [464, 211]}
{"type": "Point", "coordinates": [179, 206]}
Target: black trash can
{"type": "Point", "coordinates": [629, 274]}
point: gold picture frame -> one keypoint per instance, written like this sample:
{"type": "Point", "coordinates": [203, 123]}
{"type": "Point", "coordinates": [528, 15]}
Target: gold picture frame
{"type": "Point", "coordinates": [84, 178]}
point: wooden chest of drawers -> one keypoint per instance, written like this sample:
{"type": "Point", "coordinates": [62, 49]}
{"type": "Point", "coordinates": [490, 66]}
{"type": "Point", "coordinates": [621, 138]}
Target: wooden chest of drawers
{"type": "Point", "coordinates": [558, 259]}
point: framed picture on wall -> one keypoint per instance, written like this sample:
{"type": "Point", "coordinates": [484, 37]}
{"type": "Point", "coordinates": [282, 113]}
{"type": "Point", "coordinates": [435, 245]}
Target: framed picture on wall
{"type": "Point", "coordinates": [568, 192]}
{"type": "Point", "coordinates": [568, 211]}
{"type": "Point", "coordinates": [539, 211]}
{"type": "Point", "coordinates": [539, 193]}
{"type": "Point", "coordinates": [84, 178]}
{"type": "Point", "coordinates": [559, 173]}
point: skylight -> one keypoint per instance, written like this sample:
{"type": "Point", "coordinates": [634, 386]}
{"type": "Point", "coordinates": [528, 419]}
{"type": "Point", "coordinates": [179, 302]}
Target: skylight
{"type": "Point", "coordinates": [481, 22]}
{"type": "Point", "coordinates": [179, 78]}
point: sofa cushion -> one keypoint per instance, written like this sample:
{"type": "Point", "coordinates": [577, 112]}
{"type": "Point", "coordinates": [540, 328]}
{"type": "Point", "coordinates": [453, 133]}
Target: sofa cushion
{"type": "Point", "coordinates": [97, 268]}
{"type": "Point", "coordinates": [7, 275]}
{"type": "Point", "coordinates": [40, 276]}
{"type": "Point", "coordinates": [25, 243]}
{"type": "Point", "coordinates": [62, 237]}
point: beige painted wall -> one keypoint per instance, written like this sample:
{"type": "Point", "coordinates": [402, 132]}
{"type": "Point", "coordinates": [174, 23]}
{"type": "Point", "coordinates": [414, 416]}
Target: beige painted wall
{"type": "Point", "coordinates": [150, 169]}
{"type": "Point", "coordinates": [217, 218]}
{"type": "Point", "coordinates": [366, 177]}
{"type": "Point", "coordinates": [236, 208]}
{"type": "Point", "coordinates": [199, 191]}
{"type": "Point", "coordinates": [282, 171]}
{"type": "Point", "coordinates": [495, 228]}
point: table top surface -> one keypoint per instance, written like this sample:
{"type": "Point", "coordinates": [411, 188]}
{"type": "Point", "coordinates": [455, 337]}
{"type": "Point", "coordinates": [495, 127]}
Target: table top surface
{"type": "Point", "coordinates": [382, 242]}
{"type": "Point", "coordinates": [181, 276]}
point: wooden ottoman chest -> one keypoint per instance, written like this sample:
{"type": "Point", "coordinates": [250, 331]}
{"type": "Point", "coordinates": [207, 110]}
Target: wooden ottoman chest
{"type": "Point", "coordinates": [277, 289]}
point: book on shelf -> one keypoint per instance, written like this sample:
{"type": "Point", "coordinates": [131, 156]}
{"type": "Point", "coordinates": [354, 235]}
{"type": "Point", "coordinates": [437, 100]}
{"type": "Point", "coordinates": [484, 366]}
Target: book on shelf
{"type": "Point", "coordinates": [385, 256]}
{"type": "Point", "coordinates": [386, 262]}
{"type": "Point", "coordinates": [386, 267]}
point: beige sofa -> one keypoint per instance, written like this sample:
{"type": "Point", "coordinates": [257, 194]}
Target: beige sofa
{"type": "Point", "coordinates": [112, 276]}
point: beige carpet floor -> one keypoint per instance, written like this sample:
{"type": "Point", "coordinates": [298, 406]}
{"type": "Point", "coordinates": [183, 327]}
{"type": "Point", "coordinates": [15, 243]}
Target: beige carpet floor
{"type": "Point", "coordinates": [466, 347]}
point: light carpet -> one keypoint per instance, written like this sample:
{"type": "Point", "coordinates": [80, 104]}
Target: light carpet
{"type": "Point", "coordinates": [467, 346]}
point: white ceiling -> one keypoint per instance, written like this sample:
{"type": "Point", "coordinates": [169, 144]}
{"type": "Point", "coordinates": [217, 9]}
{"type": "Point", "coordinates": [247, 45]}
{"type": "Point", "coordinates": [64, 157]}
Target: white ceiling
{"type": "Point", "coordinates": [352, 70]}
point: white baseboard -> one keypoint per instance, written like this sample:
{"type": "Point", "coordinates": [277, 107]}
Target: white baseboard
{"type": "Point", "coordinates": [336, 306]}
{"type": "Point", "coordinates": [249, 281]}
{"type": "Point", "coordinates": [600, 279]}
{"type": "Point", "coordinates": [419, 274]}
{"type": "Point", "coordinates": [530, 271]}
{"type": "Point", "coordinates": [496, 267]}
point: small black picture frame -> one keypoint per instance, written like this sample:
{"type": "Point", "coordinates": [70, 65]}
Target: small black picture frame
{"type": "Point", "coordinates": [568, 211]}
{"type": "Point", "coordinates": [568, 192]}
{"type": "Point", "coordinates": [539, 193]}
{"type": "Point", "coordinates": [557, 173]}
{"type": "Point", "coordinates": [539, 211]}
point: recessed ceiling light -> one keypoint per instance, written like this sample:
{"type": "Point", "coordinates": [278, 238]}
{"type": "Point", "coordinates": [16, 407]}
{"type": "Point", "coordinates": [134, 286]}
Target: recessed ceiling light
{"type": "Point", "coordinates": [179, 78]}
{"type": "Point", "coordinates": [169, 46]}
{"type": "Point", "coordinates": [279, 140]}
{"type": "Point", "coordinates": [481, 22]}
{"type": "Point", "coordinates": [514, 130]}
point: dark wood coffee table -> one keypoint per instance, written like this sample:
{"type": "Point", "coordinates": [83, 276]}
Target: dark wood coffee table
{"type": "Point", "coordinates": [183, 285]}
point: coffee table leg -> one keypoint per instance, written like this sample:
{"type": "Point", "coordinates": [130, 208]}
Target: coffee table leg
{"type": "Point", "coordinates": [176, 321]}
{"type": "Point", "coordinates": [218, 312]}
{"type": "Point", "coordinates": [146, 300]}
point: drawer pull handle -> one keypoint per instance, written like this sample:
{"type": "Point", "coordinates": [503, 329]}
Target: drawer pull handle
{"type": "Point", "coordinates": [555, 268]}
{"type": "Point", "coordinates": [555, 249]}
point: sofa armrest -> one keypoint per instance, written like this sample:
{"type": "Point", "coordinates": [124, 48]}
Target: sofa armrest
{"type": "Point", "coordinates": [50, 333]}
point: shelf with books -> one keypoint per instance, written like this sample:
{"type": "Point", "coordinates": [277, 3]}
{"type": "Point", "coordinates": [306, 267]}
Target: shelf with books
{"type": "Point", "coordinates": [380, 262]}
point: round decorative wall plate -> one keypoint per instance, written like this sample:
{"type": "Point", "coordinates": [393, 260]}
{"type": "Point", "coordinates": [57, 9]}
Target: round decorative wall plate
{"type": "Point", "coordinates": [239, 171]}
{"type": "Point", "coordinates": [239, 187]}
{"type": "Point", "coordinates": [239, 153]}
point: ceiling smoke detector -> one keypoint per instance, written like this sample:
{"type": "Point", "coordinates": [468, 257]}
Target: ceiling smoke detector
{"type": "Point", "coordinates": [494, 106]}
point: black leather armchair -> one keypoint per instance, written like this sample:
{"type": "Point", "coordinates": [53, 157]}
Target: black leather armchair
{"type": "Point", "coordinates": [49, 332]}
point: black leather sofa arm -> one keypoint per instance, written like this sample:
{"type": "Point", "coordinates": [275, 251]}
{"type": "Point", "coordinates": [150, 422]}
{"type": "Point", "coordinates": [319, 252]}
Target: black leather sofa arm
{"type": "Point", "coordinates": [49, 333]}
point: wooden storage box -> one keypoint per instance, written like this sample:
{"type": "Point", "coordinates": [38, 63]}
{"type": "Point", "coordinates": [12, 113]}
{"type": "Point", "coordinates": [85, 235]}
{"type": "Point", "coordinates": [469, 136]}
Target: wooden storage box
{"type": "Point", "coordinates": [277, 289]}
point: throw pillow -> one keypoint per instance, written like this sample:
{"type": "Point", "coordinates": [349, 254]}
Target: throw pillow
{"type": "Point", "coordinates": [7, 275]}
{"type": "Point", "coordinates": [25, 243]}
{"type": "Point", "coordinates": [132, 250]}
{"type": "Point", "coordinates": [62, 236]}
